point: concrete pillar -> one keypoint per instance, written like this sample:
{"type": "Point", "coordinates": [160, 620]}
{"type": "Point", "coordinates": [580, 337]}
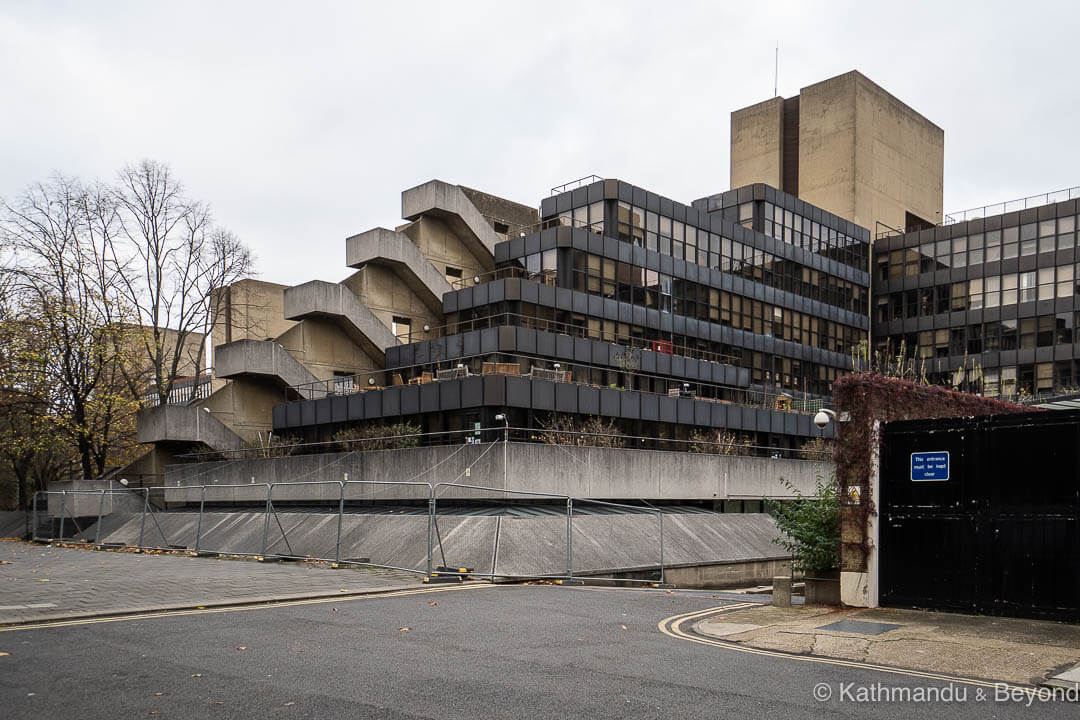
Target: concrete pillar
{"type": "Point", "coordinates": [781, 591]}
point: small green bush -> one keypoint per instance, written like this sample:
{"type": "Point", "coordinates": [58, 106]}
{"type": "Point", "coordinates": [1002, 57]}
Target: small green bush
{"type": "Point", "coordinates": [810, 526]}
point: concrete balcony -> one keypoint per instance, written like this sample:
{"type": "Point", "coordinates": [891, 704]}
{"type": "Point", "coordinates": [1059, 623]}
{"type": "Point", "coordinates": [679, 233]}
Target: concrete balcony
{"type": "Point", "coordinates": [448, 203]}
{"type": "Point", "coordinates": [398, 252]}
{"type": "Point", "coordinates": [322, 299]}
{"type": "Point", "coordinates": [184, 424]}
{"type": "Point", "coordinates": [262, 358]}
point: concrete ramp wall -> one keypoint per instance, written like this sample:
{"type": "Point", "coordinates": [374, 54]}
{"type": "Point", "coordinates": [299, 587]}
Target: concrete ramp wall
{"type": "Point", "coordinates": [503, 545]}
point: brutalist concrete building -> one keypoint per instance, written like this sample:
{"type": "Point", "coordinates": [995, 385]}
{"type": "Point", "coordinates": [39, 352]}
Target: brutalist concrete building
{"type": "Point", "coordinates": [662, 318]}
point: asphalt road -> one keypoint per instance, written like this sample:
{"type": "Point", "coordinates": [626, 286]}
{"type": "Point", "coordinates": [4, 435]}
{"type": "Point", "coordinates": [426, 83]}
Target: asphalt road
{"type": "Point", "coordinates": [504, 652]}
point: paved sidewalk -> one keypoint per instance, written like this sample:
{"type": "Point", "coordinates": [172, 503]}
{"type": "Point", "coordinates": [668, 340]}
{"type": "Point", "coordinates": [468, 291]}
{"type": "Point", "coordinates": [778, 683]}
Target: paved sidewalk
{"type": "Point", "coordinates": [40, 582]}
{"type": "Point", "coordinates": [997, 649]}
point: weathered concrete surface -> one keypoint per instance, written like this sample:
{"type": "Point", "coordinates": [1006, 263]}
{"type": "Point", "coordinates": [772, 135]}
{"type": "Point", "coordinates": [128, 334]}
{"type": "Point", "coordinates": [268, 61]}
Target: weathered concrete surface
{"type": "Point", "coordinates": [262, 358]}
{"type": "Point", "coordinates": [12, 524]}
{"type": "Point", "coordinates": [396, 250]}
{"type": "Point", "coordinates": [337, 302]}
{"type": "Point", "coordinates": [184, 424]}
{"type": "Point", "coordinates": [997, 649]}
{"type": "Point", "coordinates": [505, 546]}
{"type": "Point", "coordinates": [531, 467]}
{"type": "Point", "coordinates": [449, 203]}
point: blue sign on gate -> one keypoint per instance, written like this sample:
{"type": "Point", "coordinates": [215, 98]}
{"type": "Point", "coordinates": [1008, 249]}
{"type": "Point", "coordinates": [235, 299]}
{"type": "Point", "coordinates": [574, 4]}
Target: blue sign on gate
{"type": "Point", "coordinates": [930, 466]}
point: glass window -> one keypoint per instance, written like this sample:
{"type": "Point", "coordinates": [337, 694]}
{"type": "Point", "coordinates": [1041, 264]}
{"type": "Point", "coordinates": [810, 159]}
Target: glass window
{"type": "Point", "coordinates": [1027, 333]}
{"type": "Point", "coordinates": [975, 249]}
{"type": "Point", "coordinates": [1008, 382]}
{"type": "Point", "coordinates": [975, 298]}
{"type": "Point", "coordinates": [1010, 238]}
{"type": "Point", "coordinates": [959, 296]}
{"type": "Point", "coordinates": [959, 252]}
{"type": "Point", "coordinates": [1008, 290]}
{"type": "Point", "coordinates": [991, 383]}
{"type": "Point", "coordinates": [1064, 328]}
{"type": "Point", "coordinates": [1027, 239]}
{"type": "Point", "coordinates": [992, 287]}
{"type": "Point", "coordinates": [1046, 244]}
{"type": "Point", "coordinates": [1065, 281]}
{"type": "Point", "coordinates": [1047, 228]}
{"type": "Point", "coordinates": [993, 245]}
{"type": "Point", "coordinates": [1047, 324]}
{"type": "Point", "coordinates": [1028, 291]}
{"type": "Point", "coordinates": [1008, 334]}
{"type": "Point", "coordinates": [942, 251]}
{"type": "Point", "coordinates": [1046, 284]}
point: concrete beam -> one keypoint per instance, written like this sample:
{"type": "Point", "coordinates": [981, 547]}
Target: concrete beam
{"type": "Point", "coordinates": [448, 203]}
{"type": "Point", "coordinates": [397, 251]}
{"type": "Point", "coordinates": [336, 302]}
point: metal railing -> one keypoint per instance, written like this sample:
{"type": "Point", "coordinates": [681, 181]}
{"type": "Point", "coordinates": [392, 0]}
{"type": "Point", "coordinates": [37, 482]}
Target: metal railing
{"type": "Point", "coordinates": [733, 444]}
{"type": "Point", "coordinates": [574, 184]}
{"type": "Point", "coordinates": [182, 392]}
{"type": "Point", "coordinates": [171, 530]}
{"type": "Point", "coordinates": [1013, 205]}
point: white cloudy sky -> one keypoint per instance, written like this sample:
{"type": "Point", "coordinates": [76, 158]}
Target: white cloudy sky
{"type": "Point", "coordinates": [302, 122]}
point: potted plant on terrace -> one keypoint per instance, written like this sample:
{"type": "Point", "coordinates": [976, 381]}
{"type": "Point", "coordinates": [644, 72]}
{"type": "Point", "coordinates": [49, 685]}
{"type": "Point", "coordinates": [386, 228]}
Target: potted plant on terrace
{"type": "Point", "coordinates": [810, 529]}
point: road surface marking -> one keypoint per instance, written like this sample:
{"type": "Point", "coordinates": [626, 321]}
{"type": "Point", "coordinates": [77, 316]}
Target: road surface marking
{"type": "Point", "coordinates": [673, 627]}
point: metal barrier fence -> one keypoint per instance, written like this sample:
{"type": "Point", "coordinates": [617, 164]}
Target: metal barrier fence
{"type": "Point", "coordinates": [160, 530]}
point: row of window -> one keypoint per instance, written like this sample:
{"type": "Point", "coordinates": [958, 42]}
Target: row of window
{"type": "Point", "coordinates": [978, 293]}
{"type": "Point", "coordinates": [1015, 334]}
{"type": "Point", "coordinates": [1015, 241]}
{"type": "Point", "coordinates": [595, 275]}
{"type": "Point", "coordinates": [773, 370]}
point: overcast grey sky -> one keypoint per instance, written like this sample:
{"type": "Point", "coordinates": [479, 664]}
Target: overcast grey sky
{"type": "Point", "coordinates": [301, 123]}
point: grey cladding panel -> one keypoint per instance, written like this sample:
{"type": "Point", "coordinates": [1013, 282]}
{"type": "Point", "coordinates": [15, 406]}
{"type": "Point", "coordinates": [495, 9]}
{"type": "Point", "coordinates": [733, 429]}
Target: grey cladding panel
{"type": "Point", "coordinates": [566, 397]}
{"type": "Point", "coordinates": [280, 416]}
{"type": "Point", "coordinates": [609, 402]}
{"type": "Point", "coordinates": [543, 395]}
{"type": "Point", "coordinates": [340, 410]}
{"type": "Point", "coordinates": [630, 405]}
{"type": "Point", "coordinates": [373, 404]}
{"type": "Point", "coordinates": [650, 407]}
{"type": "Point", "coordinates": [356, 406]}
{"type": "Point", "coordinates": [429, 398]}
{"type": "Point", "coordinates": [472, 391]}
{"type": "Point", "coordinates": [307, 413]}
{"type": "Point", "coordinates": [588, 400]}
{"type": "Point", "coordinates": [668, 409]}
{"type": "Point", "coordinates": [391, 401]}
{"type": "Point", "coordinates": [526, 340]}
{"type": "Point", "coordinates": [410, 400]}
{"type": "Point", "coordinates": [518, 392]}
{"type": "Point", "coordinates": [685, 411]}
{"type": "Point", "coordinates": [449, 395]}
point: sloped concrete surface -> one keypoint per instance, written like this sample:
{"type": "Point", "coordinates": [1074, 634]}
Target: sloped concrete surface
{"type": "Point", "coordinates": [12, 524]}
{"type": "Point", "coordinates": [397, 251]}
{"type": "Point", "coordinates": [448, 202]}
{"type": "Point", "coordinates": [186, 424]}
{"type": "Point", "coordinates": [503, 545]}
{"type": "Point", "coordinates": [263, 358]}
{"type": "Point", "coordinates": [319, 298]}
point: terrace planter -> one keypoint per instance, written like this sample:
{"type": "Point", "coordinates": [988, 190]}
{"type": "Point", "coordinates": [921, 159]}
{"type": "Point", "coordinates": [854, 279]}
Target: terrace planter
{"type": "Point", "coordinates": [823, 589]}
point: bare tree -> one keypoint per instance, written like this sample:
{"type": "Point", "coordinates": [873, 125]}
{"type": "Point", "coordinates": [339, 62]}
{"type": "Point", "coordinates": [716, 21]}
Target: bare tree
{"type": "Point", "coordinates": [60, 369]}
{"type": "Point", "coordinates": [172, 262]}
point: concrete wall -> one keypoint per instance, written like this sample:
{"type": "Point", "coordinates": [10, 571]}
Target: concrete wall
{"type": "Point", "coordinates": [324, 348]}
{"type": "Point", "coordinates": [443, 247]}
{"type": "Point", "coordinates": [557, 469]}
{"type": "Point", "coordinates": [757, 146]}
{"type": "Point", "coordinates": [184, 424]}
{"type": "Point", "coordinates": [863, 154]}
{"type": "Point", "coordinates": [246, 406]}
{"type": "Point", "coordinates": [384, 293]}
{"type": "Point", "coordinates": [256, 311]}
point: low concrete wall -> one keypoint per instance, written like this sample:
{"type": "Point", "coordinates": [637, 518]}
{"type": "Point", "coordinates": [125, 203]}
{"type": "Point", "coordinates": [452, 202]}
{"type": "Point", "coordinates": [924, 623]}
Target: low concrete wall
{"type": "Point", "coordinates": [530, 468]}
{"type": "Point", "coordinates": [721, 575]}
{"type": "Point", "coordinates": [184, 424]}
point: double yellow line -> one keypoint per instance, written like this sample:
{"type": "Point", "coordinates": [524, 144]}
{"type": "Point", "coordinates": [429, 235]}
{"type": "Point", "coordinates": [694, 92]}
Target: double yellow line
{"type": "Point", "coordinates": [676, 627]}
{"type": "Point", "coordinates": [235, 608]}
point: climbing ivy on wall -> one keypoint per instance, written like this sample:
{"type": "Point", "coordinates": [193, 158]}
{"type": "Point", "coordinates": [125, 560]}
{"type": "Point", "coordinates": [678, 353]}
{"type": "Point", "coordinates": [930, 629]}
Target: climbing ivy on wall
{"type": "Point", "coordinates": [866, 397]}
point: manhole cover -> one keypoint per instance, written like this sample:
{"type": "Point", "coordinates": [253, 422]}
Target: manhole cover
{"type": "Point", "coordinates": [861, 627]}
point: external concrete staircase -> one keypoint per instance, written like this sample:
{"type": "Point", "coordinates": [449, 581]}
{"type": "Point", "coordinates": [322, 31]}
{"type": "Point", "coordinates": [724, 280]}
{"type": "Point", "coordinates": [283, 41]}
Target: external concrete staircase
{"type": "Point", "coordinates": [332, 301]}
{"type": "Point", "coordinates": [263, 358]}
{"type": "Point", "coordinates": [185, 424]}
{"type": "Point", "coordinates": [448, 203]}
{"type": "Point", "coordinates": [397, 251]}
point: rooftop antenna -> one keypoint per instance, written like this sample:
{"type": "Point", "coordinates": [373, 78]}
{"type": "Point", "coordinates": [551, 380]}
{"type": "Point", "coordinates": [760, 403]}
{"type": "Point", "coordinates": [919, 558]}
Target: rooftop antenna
{"type": "Point", "coordinates": [776, 72]}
